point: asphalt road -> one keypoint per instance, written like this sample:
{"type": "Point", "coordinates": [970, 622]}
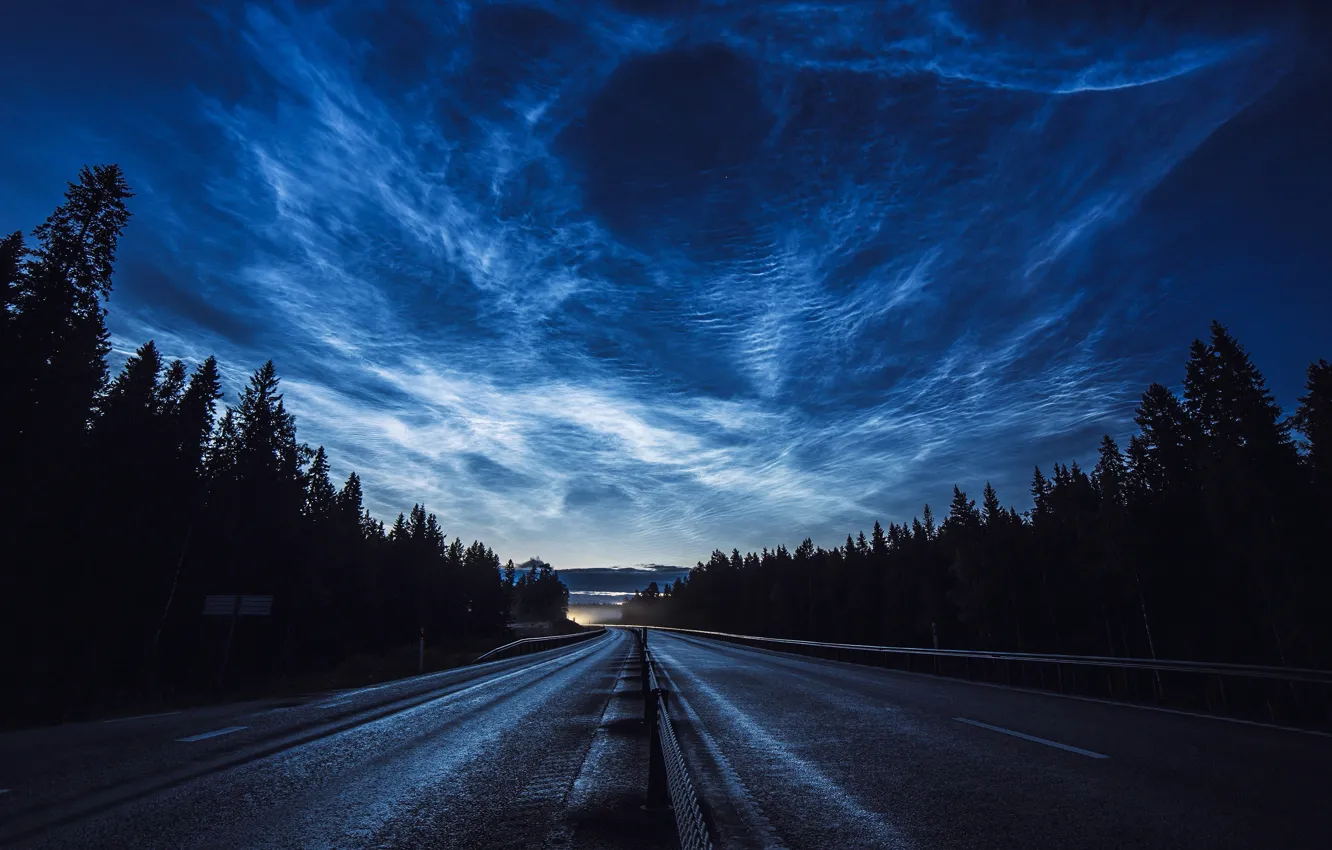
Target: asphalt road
{"type": "Point", "coordinates": [537, 751]}
{"type": "Point", "coordinates": [787, 751]}
{"type": "Point", "coordinates": [548, 751]}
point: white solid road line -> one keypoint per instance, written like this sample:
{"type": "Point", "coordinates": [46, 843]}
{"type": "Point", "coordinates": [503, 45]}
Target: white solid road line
{"type": "Point", "coordinates": [335, 704]}
{"type": "Point", "coordinates": [1027, 737]}
{"type": "Point", "coordinates": [141, 717]}
{"type": "Point", "coordinates": [215, 733]}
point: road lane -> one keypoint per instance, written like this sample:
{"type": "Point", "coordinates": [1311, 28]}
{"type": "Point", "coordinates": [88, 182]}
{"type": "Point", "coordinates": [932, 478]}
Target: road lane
{"type": "Point", "coordinates": [482, 758]}
{"type": "Point", "coordinates": [789, 751]}
{"type": "Point", "coordinates": [63, 767]}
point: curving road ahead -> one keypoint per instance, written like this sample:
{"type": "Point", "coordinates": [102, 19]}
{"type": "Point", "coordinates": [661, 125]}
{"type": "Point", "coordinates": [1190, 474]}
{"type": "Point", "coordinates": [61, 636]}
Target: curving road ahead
{"type": "Point", "coordinates": [538, 751]}
{"type": "Point", "coordinates": [788, 751]}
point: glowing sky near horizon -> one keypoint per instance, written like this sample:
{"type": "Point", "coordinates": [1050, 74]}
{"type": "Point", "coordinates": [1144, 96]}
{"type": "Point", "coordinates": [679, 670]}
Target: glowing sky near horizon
{"type": "Point", "coordinates": [622, 282]}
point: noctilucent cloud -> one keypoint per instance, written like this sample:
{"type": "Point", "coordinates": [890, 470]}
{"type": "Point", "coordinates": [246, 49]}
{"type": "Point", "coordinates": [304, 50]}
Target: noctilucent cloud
{"type": "Point", "coordinates": [621, 282]}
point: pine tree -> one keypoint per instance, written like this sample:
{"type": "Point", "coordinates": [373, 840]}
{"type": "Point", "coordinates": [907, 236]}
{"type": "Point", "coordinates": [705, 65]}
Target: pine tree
{"type": "Point", "coordinates": [1203, 392]}
{"type": "Point", "coordinates": [962, 514]}
{"type": "Point", "coordinates": [1313, 419]}
{"type": "Point", "coordinates": [59, 328]}
{"type": "Point", "coordinates": [320, 496]}
{"type": "Point", "coordinates": [133, 395]}
{"type": "Point", "coordinates": [1109, 476]}
{"type": "Point", "coordinates": [878, 543]}
{"type": "Point", "coordinates": [268, 451]}
{"type": "Point", "coordinates": [12, 252]}
{"type": "Point", "coordinates": [417, 526]}
{"type": "Point", "coordinates": [455, 555]}
{"type": "Point", "coordinates": [1040, 496]}
{"type": "Point", "coordinates": [992, 513]}
{"type": "Point", "coordinates": [194, 416]}
{"type": "Point", "coordinates": [348, 505]}
{"type": "Point", "coordinates": [223, 454]}
{"type": "Point", "coordinates": [1250, 417]}
{"type": "Point", "coordinates": [1170, 440]}
{"type": "Point", "coordinates": [172, 387]}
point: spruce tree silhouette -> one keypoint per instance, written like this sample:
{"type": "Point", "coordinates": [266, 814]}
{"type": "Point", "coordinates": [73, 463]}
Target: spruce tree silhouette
{"type": "Point", "coordinates": [1201, 541]}
{"type": "Point", "coordinates": [125, 503]}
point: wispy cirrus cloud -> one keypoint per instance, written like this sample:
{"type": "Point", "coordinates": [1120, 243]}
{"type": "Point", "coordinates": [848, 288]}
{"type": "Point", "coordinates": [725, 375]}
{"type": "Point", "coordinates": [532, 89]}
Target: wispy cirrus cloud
{"type": "Point", "coordinates": [619, 288]}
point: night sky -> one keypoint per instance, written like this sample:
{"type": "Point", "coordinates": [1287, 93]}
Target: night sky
{"type": "Point", "coordinates": [621, 282]}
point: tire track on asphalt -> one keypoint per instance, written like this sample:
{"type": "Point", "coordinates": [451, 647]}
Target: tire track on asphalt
{"type": "Point", "coordinates": [103, 801]}
{"type": "Point", "coordinates": [775, 759]}
{"type": "Point", "coordinates": [757, 825]}
{"type": "Point", "coordinates": [544, 798]}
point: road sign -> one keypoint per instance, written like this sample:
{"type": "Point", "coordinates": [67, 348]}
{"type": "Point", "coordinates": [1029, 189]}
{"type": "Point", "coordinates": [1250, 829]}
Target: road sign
{"type": "Point", "coordinates": [237, 606]}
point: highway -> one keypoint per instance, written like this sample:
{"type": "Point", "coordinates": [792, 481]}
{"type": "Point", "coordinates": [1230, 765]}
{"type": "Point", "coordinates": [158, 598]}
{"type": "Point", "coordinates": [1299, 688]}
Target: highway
{"type": "Point", "coordinates": [541, 750]}
{"type": "Point", "coordinates": [793, 752]}
{"type": "Point", "coordinates": [548, 751]}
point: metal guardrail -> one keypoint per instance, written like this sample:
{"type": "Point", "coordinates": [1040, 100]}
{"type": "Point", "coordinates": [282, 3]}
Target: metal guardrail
{"type": "Point", "coordinates": [1291, 696]}
{"type": "Point", "coordinates": [536, 644]}
{"type": "Point", "coordinates": [668, 777]}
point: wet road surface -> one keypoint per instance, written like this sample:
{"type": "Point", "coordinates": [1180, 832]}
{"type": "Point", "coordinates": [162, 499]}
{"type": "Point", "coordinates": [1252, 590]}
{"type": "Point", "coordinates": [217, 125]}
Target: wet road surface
{"type": "Point", "coordinates": [538, 751]}
{"type": "Point", "coordinates": [788, 751]}
{"type": "Point", "coordinates": [549, 751]}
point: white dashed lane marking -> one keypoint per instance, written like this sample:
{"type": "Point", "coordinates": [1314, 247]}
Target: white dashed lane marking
{"type": "Point", "coordinates": [1027, 737]}
{"type": "Point", "coordinates": [215, 733]}
{"type": "Point", "coordinates": [140, 717]}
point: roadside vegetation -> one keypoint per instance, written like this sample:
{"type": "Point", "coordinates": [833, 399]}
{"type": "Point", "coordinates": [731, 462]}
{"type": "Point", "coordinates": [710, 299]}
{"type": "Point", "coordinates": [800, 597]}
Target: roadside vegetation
{"type": "Point", "coordinates": [1206, 539]}
{"type": "Point", "coordinates": [129, 498]}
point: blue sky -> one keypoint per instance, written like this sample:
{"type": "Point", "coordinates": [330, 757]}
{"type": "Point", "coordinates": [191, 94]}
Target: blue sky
{"type": "Point", "coordinates": [621, 282]}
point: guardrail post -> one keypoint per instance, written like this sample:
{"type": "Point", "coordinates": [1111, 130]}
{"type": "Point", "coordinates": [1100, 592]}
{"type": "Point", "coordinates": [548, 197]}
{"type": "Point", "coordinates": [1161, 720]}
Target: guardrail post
{"type": "Point", "coordinates": [658, 795]}
{"type": "Point", "coordinates": [645, 679]}
{"type": "Point", "coordinates": [649, 703]}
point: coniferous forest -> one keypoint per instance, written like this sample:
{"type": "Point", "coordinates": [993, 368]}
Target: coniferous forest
{"type": "Point", "coordinates": [1206, 538]}
{"type": "Point", "coordinates": [128, 498]}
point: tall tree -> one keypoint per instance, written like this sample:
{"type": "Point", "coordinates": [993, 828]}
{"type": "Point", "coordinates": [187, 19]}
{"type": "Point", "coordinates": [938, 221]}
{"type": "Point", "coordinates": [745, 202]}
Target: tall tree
{"type": "Point", "coordinates": [320, 495]}
{"type": "Point", "coordinates": [1313, 419]}
{"type": "Point", "coordinates": [59, 328]}
{"type": "Point", "coordinates": [54, 346]}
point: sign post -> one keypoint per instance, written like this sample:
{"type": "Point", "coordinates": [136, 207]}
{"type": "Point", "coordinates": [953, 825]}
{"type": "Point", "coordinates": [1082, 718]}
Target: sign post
{"type": "Point", "coordinates": [234, 607]}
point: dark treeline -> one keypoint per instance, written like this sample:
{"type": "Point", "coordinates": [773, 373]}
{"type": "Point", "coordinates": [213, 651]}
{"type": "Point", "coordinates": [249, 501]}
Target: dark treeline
{"type": "Point", "coordinates": [1206, 539]}
{"type": "Point", "coordinates": [126, 500]}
